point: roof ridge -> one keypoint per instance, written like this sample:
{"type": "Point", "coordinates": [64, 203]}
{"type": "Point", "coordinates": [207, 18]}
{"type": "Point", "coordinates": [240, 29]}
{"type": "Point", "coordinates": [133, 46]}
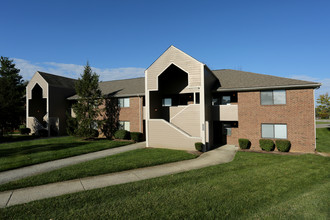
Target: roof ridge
{"type": "Point", "coordinates": [122, 79]}
{"type": "Point", "coordinates": [41, 72]}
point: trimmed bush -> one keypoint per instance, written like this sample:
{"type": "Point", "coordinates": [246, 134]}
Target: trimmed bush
{"type": "Point", "coordinates": [25, 130]}
{"type": "Point", "coordinates": [43, 133]}
{"type": "Point", "coordinates": [283, 145]}
{"type": "Point", "coordinates": [136, 136]}
{"type": "Point", "coordinates": [244, 143]}
{"type": "Point", "coordinates": [122, 134]}
{"type": "Point", "coordinates": [199, 146]}
{"type": "Point", "coordinates": [267, 144]}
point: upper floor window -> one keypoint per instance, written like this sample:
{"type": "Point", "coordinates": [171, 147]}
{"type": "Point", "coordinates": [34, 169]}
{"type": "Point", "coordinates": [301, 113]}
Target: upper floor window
{"type": "Point", "coordinates": [123, 102]}
{"type": "Point", "coordinates": [167, 102]}
{"type": "Point", "coordinates": [274, 131]}
{"type": "Point", "coordinates": [273, 97]}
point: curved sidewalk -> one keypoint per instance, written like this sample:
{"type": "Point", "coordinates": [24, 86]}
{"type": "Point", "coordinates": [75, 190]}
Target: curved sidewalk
{"type": "Point", "coordinates": [11, 175]}
{"type": "Point", "coordinates": [220, 155]}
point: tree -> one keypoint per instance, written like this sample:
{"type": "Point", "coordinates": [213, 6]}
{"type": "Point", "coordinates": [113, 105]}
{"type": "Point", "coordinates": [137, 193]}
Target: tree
{"type": "Point", "coordinates": [87, 107]}
{"type": "Point", "coordinates": [323, 108]}
{"type": "Point", "coordinates": [111, 116]}
{"type": "Point", "coordinates": [12, 90]}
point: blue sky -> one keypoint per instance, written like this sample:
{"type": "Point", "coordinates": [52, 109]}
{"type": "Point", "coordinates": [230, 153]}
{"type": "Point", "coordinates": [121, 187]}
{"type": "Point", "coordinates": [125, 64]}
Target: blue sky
{"type": "Point", "coordinates": [121, 38]}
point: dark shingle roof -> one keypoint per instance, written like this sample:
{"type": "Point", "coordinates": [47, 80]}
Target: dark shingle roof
{"type": "Point", "coordinates": [229, 80]}
{"type": "Point", "coordinates": [121, 88]}
{"type": "Point", "coordinates": [58, 81]}
{"type": "Point", "coordinates": [241, 80]}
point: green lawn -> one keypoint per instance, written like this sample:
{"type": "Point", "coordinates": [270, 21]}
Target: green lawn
{"type": "Point", "coordinates": [322, 122]}
{"type": "Point", "coordinates": [323, 139]}
{"type": "Point", "coordinates": [253, 186]}
{"type": "Point", "coordinates": [119, 162]}
{"type": "Point", "coordinates": [24, 153]}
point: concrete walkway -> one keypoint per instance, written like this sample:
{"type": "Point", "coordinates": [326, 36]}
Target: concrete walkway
{"type": "Point", "coordinates": [220, 155]}
{"type": "Point", "coordinates": [11, 175]}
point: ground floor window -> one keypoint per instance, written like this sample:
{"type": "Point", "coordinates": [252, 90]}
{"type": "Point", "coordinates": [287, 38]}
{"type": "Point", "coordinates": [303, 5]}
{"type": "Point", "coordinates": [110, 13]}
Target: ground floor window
{"type": "Point", "coordinates": [274, 131]}
{"type": "Point", "coordinates": [124, 125]}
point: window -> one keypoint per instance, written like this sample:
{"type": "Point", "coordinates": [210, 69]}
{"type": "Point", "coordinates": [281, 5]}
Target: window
{"type": "Point", "coordinates": [274, 131]}
{"type": "Point", "coordinates": [123, 102]}
{"type": "Point", "coordinates": [167, 102]}
{"type": "Point", "coordinates": [124, 125]}
{"type": "Point", "coordinates": [225, 100]}
{"type": "Point", "coordinates": [273, 97]}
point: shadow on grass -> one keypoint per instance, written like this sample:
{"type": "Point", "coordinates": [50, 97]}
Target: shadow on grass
{"type": "Point", "coordinates": [15, 138]}
{"type": "Point", "coordinates": [39, 148]}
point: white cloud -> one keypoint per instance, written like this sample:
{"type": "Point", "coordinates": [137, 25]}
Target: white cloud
{"type": "Point", "coordinates": [325, 87]}
{"type": "Point", "coordinates": [74, 71]}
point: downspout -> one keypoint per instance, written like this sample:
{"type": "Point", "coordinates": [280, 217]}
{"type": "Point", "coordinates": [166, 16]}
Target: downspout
{"type": "Point", "coordinates": [139, 97]}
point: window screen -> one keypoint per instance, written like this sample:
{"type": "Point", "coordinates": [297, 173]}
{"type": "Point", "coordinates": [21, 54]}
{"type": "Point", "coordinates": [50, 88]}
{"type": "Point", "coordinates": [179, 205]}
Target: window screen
{"type": "Point", "coordinates": [274, 131]}
{"type": "Point", "coordinates": [267, 131]}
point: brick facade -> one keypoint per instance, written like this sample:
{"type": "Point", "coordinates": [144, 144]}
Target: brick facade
{"type": "Point", "coordinates": [297, 114]}
{"type": "Point", "coordinates": [133, 114]}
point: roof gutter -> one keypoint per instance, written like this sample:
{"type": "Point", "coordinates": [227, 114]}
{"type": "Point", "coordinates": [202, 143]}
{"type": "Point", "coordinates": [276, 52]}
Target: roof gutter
{"type": "Point", "coordinates": [316, 85]}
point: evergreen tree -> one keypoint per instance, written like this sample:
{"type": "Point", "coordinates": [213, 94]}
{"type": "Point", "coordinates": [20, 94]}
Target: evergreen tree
{"type": "Point", "coordinates": [87, 107]}
{"type": "Point", "coordinates": [111, 116]}
{"type": "Point", "coordinates": [12, 90]}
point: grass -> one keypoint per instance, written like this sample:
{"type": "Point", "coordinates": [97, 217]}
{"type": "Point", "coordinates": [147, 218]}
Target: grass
{"type": "Point", "coordinates": [322, 122]}
{"type": "Point", "coordinates": [119, 162]}
{"type": "Point", "coordinates": [24, 153]}
{"type": "Point", "coordinates": [15, 138]}
{"type": "Point", "coordinates": [253, 186]}
{"type": "Point", "coordinates": [323, 139]}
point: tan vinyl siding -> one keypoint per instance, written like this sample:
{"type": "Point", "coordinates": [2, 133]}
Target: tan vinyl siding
{"type": "Point", "coordinates": [181, 60]}
{"type": "Point", "coordinates": [37, 78]}
{"type": "Point", "coordinates": [188, 120]}
{"type": "Point", "coordinates": [164, 135]}
{"type": "Point", "coordinates": [225, 112]}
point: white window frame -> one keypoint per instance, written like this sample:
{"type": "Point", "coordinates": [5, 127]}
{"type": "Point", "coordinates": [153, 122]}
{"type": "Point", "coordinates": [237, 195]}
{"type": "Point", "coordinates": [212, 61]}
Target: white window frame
{"type": "Point", "coordinates": [274, 93]}
{"type": "Point", "coordinates": [124, 102]}
{"type": "Point", "coordinates": [276, 131]}
{"type": "Point", "coordinates": [125, 125]}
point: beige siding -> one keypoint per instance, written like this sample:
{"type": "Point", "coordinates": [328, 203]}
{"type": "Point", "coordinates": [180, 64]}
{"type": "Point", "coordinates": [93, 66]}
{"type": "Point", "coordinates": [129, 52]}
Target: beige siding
{"type": "Point", "coordinates": [225, 112]}
{"type": "Point", "coordinates": [175, 110]}
{"type": "Point", "coordinates": [37, 78]}
{"type": "Point", "coordinates": [164, 135]}
{"type": "Point", "coordinates": [180, 59]}
{"type": "Point", "coordinates": [188, 120]}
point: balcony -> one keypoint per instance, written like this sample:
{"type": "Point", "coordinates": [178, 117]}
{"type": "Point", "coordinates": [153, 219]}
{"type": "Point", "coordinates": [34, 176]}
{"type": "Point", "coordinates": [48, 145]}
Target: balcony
{"type": "Point", "coordinates": [225, 112]}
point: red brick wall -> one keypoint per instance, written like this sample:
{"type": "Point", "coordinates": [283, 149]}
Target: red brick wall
{"type": "Point", "coordinates": [297, 114]}
{"type": "Point", "coordinates": [133, 114]}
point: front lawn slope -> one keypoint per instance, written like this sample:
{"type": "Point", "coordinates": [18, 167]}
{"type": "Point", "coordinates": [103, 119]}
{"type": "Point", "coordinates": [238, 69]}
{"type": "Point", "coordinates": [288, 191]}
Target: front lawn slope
{"type": "Point", "coordinates": [25, 153]}
{"type": "Point", "coordinates": [253, 186]}
{"type": "Point", "coordinates": [124, 161]}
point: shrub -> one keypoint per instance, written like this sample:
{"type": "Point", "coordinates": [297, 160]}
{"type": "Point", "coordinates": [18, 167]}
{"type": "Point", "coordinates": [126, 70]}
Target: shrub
{"type": "Point", "coordinates": [199, 146]}
{"type": "Point", "coordinates": [25, 130]}
{"type": "Point", "coordinates": [136, 136]}
{"type": "Point", "coordinates": [122, 134]}
{"type": "Point", "coordinates": [95, 133]}
{"type": "Point", "coordinates": [267, 144]}
{"type": "Point", "coordinates": [244, 143]}
{"type": "Point", "coordinates": [283, 145]}
{"type": "Point", "coordinates": [22, 126]}
{"type": "Point", "coordinates": [43, 132]}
